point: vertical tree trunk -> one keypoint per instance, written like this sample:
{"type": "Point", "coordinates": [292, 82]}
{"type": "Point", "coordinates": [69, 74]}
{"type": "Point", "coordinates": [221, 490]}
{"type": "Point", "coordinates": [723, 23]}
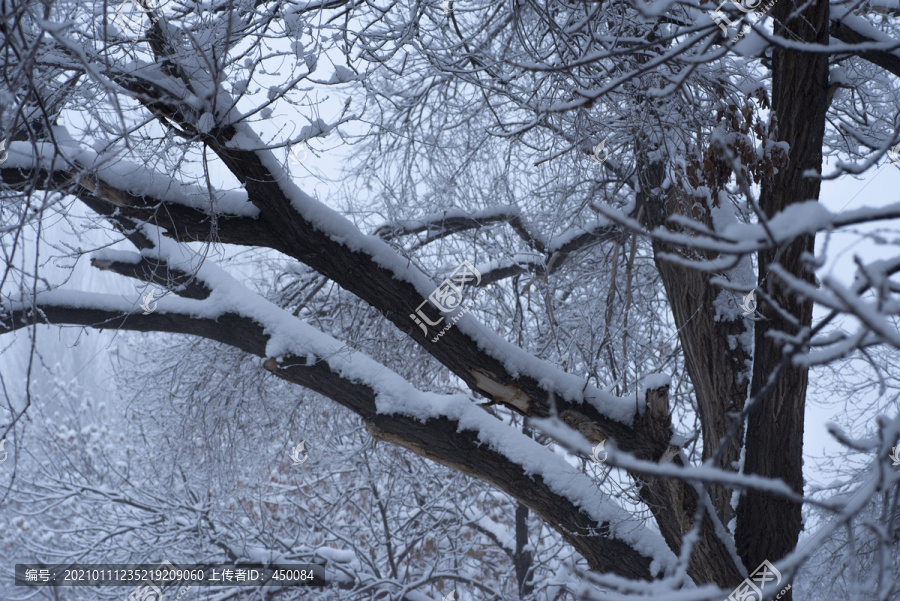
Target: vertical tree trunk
{"type": "Point", "coordinates": [716, 364]}
{"type": "Point", "coordinates": [768, 528]}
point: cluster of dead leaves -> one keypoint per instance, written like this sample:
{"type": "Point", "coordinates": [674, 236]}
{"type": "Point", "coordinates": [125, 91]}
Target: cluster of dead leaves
{"type": "Point", "coordinates": [751, 155]}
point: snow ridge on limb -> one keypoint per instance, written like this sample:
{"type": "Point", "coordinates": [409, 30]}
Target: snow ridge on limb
{"type": "Point", "coordinates": [860, 38]}
{"type": "Point", "coordinates": [128, 193]}
{"type": "Point", "coordinates": [603, 416]}
{"type": "Point", "coordinates": [874, 316]}
{"type": "Point", "coordinates": [682, 509]}
{"type": "Point", "coordinates": [450, 429]}
{"type": "Point", "coordinates": [740, 239]}
{"type": "Point", "coordinates": [383, 278]}
{"type": "Point", "coordinates": [440, 225]}
{"type": "Point", "coordinates": [318, 236]}
{"type": "Point", "coordinates": [307, 230]}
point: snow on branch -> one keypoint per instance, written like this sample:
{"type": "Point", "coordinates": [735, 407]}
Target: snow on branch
{"type": "Point", "coordinates": [449, 428]}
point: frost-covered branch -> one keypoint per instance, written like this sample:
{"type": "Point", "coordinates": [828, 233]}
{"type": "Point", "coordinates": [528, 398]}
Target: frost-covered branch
{"type": "Point", "coordinates": [450, 429]}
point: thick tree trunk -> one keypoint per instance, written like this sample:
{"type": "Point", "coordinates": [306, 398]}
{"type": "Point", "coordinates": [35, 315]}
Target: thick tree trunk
{"type": "Point", "coordinates": [715, 366]}
{"type": "Point", "coordinates": [767, 527]}
{"type": "Point", "coordinates": [718, 366]}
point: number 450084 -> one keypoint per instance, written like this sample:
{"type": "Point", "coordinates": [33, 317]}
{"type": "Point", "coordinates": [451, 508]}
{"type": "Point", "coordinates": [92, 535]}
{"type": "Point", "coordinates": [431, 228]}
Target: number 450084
{"type": "Point", "coordinates": [293, 575]}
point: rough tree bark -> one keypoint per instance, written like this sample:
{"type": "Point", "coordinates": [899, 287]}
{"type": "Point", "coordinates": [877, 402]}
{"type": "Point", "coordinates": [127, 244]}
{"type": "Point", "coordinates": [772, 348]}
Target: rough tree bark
{"type": "Point", "coordinates": [768, 527]}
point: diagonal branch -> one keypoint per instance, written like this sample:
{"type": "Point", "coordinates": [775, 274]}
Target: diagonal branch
{"type": "Point", "coordinates": [842, 31]}
{"type": "Point", "coordinates": [128, 209]}
{"type": "Point", "coordinates": [133, 265]}
{"type": "Point", "coordinates": [451, 222]}
{"type": "Point", "coordinates": [325, 241]}
{"type": "Point", "coordinates": [456, 442]}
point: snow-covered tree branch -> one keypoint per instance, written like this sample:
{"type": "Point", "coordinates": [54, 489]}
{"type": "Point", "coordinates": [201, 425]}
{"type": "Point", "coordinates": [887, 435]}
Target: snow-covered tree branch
{"type": "Point", "coordinates": [622, 203]}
